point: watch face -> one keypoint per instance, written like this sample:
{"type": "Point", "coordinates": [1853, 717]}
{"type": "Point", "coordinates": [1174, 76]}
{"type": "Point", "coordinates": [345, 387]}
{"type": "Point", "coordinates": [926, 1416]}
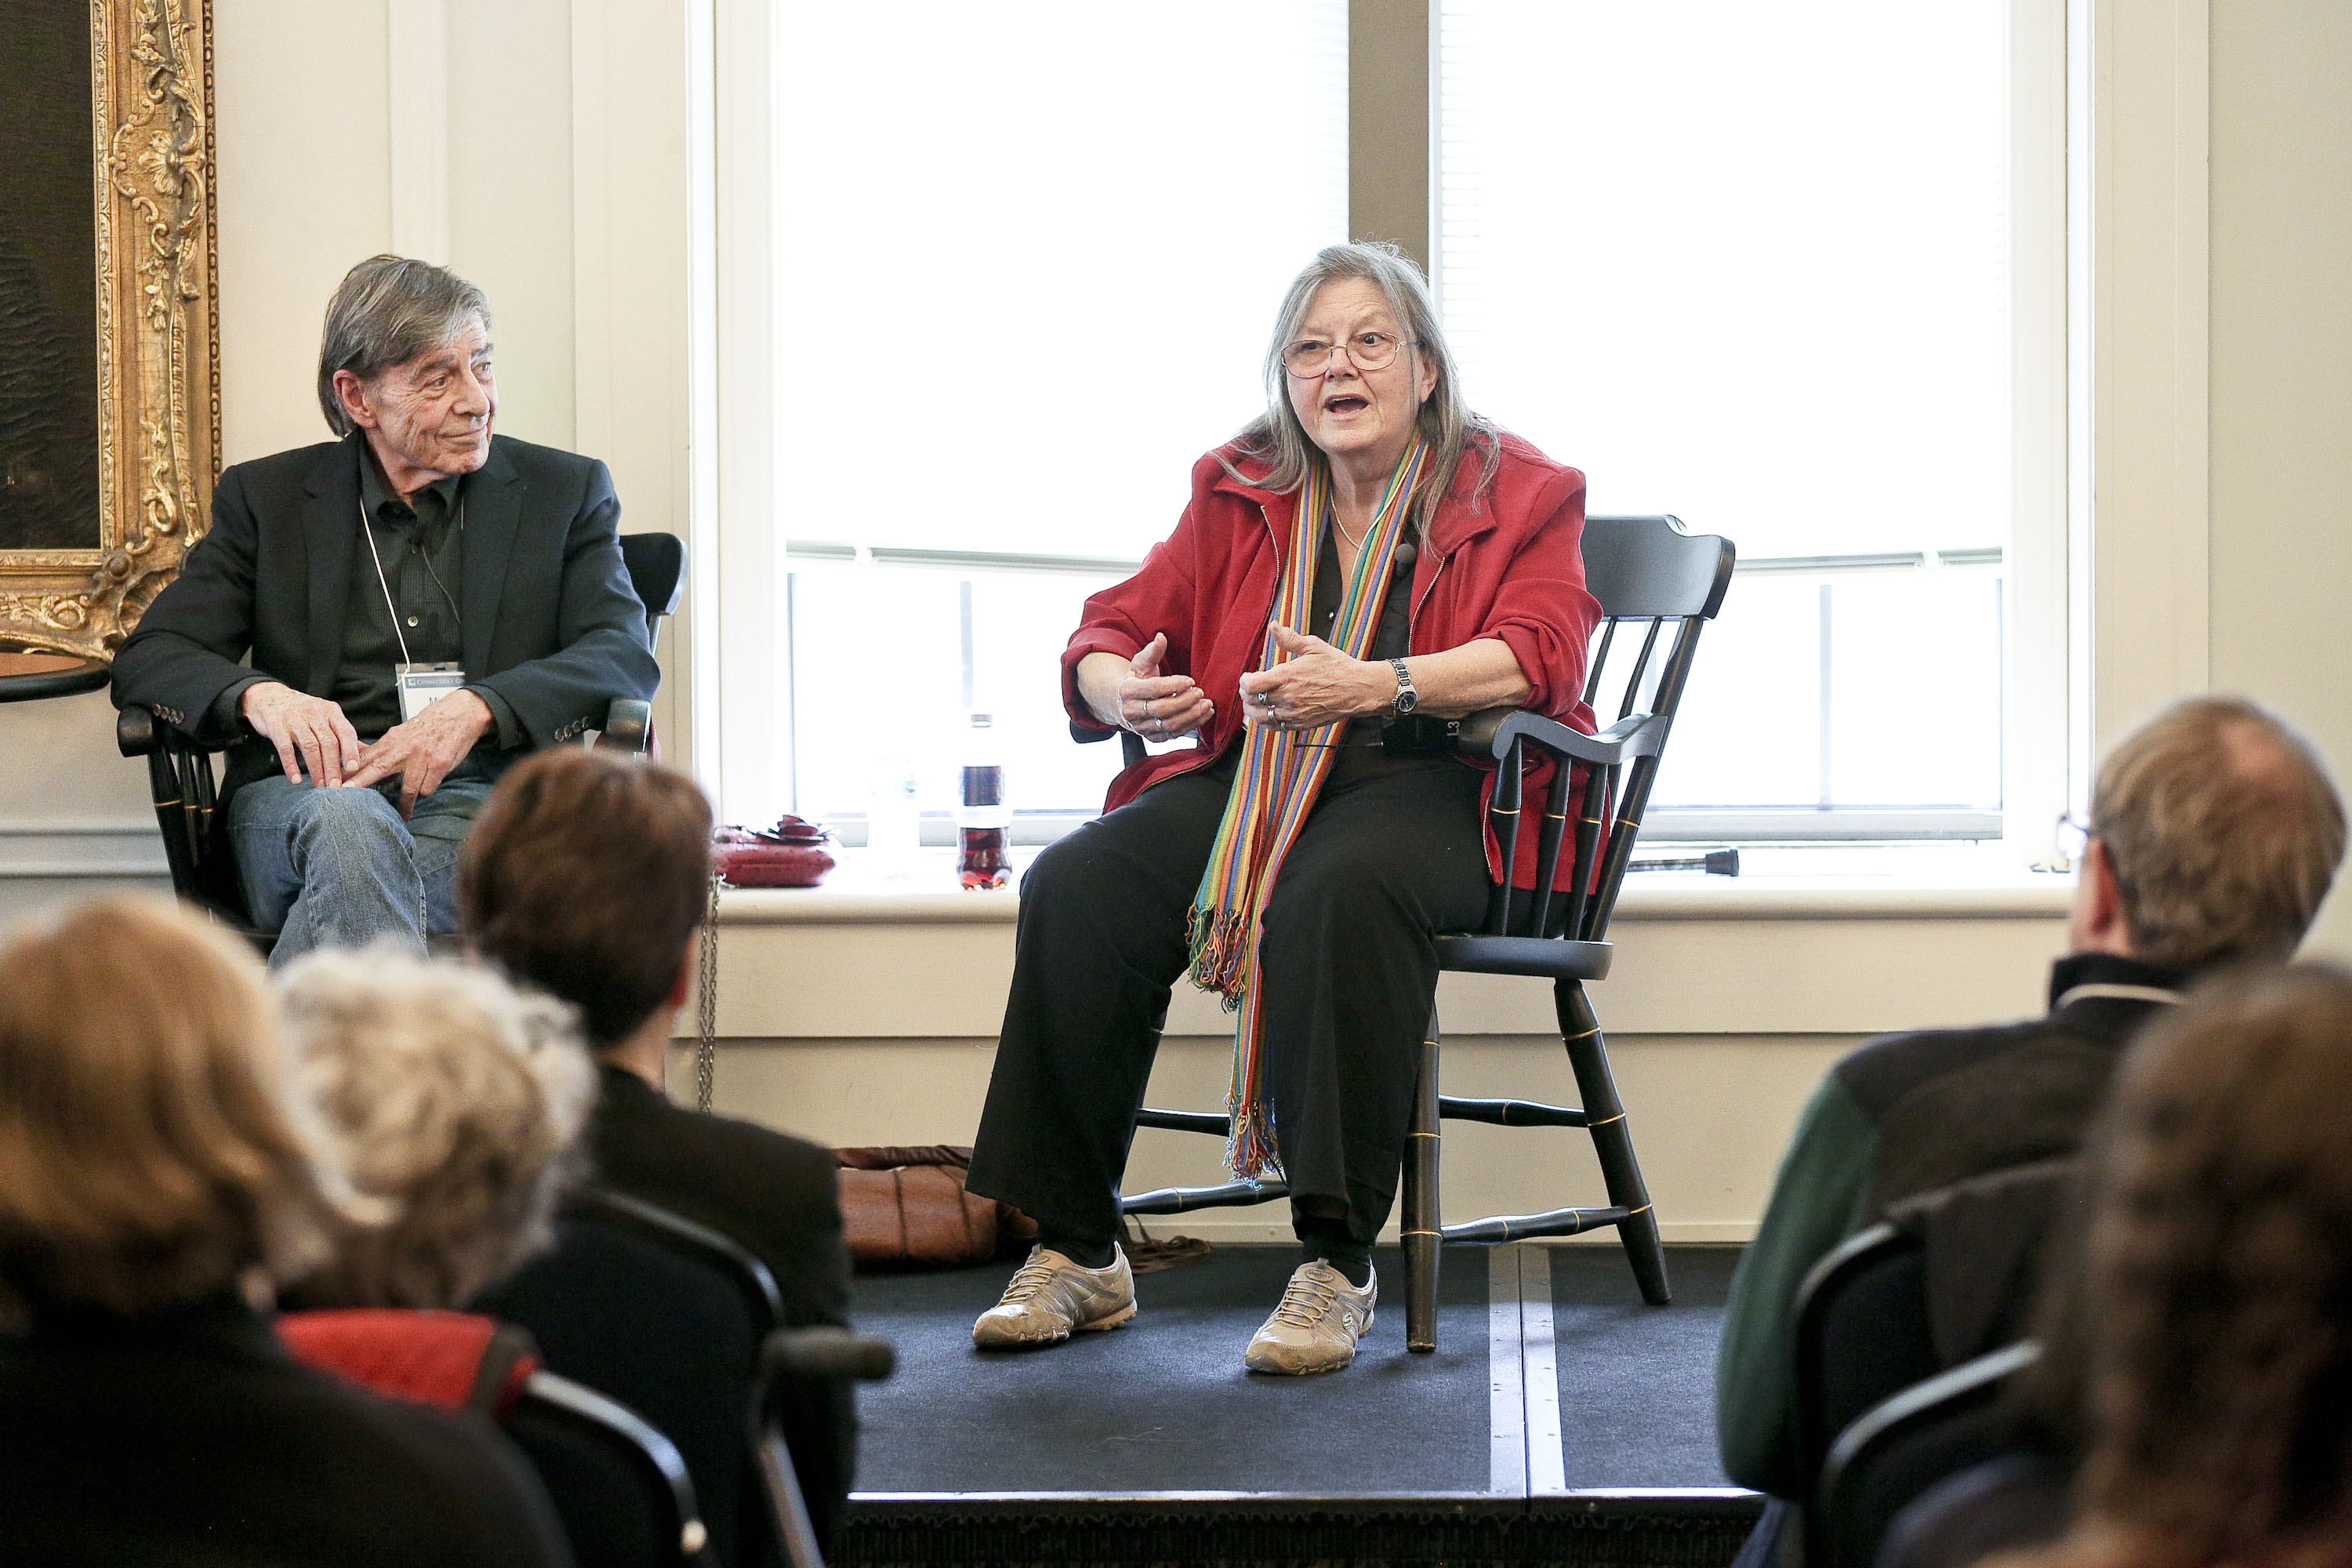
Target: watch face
{"type": "Point", "coordinates": [1407, 698]}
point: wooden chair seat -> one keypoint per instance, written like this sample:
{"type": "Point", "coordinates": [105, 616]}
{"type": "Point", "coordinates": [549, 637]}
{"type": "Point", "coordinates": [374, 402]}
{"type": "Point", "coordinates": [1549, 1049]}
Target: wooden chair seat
{"type": "Point", "coordinates": [1539, 956]}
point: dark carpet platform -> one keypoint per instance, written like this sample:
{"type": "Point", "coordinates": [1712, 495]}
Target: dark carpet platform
{"type": "Point", "coordinates": [1561, 1421]}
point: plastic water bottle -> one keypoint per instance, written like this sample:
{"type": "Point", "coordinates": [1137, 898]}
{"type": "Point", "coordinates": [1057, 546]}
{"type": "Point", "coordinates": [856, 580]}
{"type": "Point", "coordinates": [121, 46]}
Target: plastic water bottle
{"type": "Point", "coordinates": [983, 819]}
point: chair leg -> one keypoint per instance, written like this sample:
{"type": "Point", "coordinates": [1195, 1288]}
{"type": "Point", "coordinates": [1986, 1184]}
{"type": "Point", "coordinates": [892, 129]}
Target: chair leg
{"type": "Point", "coordinates": [1420, 1209]}
{"type": "Point", "coordinates": [1612, 1140]}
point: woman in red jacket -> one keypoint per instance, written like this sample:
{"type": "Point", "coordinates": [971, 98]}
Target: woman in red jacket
{"type": "Point", "coordinates": [1366, 560]}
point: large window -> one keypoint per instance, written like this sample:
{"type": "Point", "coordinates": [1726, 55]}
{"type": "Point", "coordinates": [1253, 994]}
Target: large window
{"type": "Point", "coordinates": [1787, 270]}
{"type": "Point", "coordinates": [1031, 255]}
{"type": "Point", "coordinates": [1751, 264]}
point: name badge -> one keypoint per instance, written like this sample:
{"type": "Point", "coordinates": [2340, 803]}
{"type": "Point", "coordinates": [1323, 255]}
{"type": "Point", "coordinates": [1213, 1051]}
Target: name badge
{"type": "Point", "coordinates": [423, 685]}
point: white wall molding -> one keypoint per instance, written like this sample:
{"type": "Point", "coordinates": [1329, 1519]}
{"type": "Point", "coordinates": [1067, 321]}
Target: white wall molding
{"type": "Point", "coordinates": [859, 980]}
{"type": "Point", "coordinates": [2142, 77]}
{"type": "Point", "coordinates": [416, 73]}
{"type": "Point", "coordinates": [69, 848]}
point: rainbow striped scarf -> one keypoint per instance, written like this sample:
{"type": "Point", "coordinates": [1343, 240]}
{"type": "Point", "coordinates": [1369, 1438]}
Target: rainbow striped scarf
{"type": "Point", "coordinates": [1282, 772]}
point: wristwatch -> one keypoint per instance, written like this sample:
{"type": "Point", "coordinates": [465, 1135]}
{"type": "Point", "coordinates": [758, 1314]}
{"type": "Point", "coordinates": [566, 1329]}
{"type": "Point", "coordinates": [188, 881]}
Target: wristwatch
{"type": "Point", "coordinates": [1407, 698]}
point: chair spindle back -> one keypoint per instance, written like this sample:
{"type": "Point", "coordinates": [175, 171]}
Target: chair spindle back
{"type": "Point", "coordinates": [1644, 571]}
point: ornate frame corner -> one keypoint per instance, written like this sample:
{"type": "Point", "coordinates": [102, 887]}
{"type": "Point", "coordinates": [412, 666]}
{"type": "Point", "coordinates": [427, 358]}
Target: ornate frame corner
{"type": "Point", "coordinates": [158, 333]}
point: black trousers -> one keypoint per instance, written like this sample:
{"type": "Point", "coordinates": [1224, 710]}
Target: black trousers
{"type": "Point", "coordinates": [1390, 855]}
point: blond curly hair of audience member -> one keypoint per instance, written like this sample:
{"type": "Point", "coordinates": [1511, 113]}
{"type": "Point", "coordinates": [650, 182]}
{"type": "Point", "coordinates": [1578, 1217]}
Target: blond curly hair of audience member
{"type": "Point", "coordinates": [154, 1151]}
{"type": "Point", "coordinates": [2224, 830]}
{"type": "Point", "coordinates": [2215, 1391]}
{"type": "Point", "coordinates": [459, 1101]}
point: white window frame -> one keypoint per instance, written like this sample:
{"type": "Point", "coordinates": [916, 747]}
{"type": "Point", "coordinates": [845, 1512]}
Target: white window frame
{"type": "Point", "coordinates": [2109, 600]}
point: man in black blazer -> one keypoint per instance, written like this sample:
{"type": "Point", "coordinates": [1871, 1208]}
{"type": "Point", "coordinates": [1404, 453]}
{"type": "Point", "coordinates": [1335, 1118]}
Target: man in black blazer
{"type": "Point", "coordinates": [422, 603]}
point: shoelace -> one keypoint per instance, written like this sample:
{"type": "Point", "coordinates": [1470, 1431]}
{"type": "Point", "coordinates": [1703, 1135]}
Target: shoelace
{"type": "Point", "coordinates": [1028, 1280]}
{"type": "Point", "coordinates": [1305, 1301]}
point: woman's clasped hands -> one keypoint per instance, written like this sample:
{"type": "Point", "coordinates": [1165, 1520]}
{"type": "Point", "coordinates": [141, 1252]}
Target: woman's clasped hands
{"type": "Point", "coordinates": [1316, 685]}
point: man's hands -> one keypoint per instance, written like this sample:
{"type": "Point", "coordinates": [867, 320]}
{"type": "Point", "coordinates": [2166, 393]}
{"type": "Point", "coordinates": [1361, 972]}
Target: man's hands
{"type": "Point", "coordinates": [1132, 694]}
{"type": "Point", "coordinates": [422, 751]}
{"type": "Point", "coordinates": [309, 732]}
{"type": "Point", "coordinates": [1317, 685]}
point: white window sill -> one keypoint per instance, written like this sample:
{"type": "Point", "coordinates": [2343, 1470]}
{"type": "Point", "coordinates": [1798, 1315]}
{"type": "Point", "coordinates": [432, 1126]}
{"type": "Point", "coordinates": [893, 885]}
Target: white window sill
{"type": "Point", "coordinates": [1845, 882]}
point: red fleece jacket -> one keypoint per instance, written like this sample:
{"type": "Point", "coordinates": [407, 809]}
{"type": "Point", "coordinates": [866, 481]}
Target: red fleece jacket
{"type": "Point", "coordinates": [1503, 560]}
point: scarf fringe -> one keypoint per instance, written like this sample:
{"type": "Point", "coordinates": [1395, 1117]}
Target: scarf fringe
{"type": "Point", "coordinates": [1221, 952]}
{"type": "Point", "coordinates": [1250, 1152]}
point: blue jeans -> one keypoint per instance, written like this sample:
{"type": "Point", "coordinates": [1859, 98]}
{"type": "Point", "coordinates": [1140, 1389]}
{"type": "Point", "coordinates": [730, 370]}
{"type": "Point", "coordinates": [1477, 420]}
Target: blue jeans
{"type": "Point", "coordinates": [337, 867]}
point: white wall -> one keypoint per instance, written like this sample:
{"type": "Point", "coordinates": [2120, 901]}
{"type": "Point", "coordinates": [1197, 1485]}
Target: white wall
{"type": "Point", "coordinates": [2281, 371]}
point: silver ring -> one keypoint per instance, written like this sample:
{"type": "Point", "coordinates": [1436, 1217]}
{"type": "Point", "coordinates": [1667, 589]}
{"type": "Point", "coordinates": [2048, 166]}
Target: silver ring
{"type": "Point", "coordinates": [1266, 700]}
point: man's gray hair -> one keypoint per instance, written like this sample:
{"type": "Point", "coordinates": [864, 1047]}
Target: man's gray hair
{"type": "Point", "coordinates": [1445, 419]}
{"type": "Point", "coordinates": [2224, 830]}
{"type": "Point", "coordinates": [389, 309]}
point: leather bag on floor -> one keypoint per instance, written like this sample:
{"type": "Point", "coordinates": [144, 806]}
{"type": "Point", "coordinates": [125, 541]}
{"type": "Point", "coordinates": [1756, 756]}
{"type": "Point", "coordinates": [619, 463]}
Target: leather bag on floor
{"type": "Point", "coordinates": [906, 1207]}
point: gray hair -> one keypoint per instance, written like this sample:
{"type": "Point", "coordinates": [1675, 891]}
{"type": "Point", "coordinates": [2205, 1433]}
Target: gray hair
{"type": "Point", "coordinates": [1446, 420]}
{"type": "Point", "coordinates": [386, 311]}
{"type": "Point", "coordinates": [459, 1101]}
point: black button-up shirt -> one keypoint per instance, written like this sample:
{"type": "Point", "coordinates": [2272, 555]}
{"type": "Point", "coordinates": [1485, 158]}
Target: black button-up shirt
{"type": "Point", "coordinates": [423, 551]}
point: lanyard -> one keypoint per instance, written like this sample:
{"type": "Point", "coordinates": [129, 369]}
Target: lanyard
{"type": "Point", "coordinates": [367, 531]}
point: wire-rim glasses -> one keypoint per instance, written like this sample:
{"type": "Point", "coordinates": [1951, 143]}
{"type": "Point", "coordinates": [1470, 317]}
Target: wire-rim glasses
{"type": "Point", "coordinates": [1368, 351]}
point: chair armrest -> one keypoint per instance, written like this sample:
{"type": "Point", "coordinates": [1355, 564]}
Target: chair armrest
{"type": "Point", "coordinates": [1638, 735]}
{"type": "Point", "coordinates": [137, 731]}
{"type": "Point", "coordinates": [627, 723]}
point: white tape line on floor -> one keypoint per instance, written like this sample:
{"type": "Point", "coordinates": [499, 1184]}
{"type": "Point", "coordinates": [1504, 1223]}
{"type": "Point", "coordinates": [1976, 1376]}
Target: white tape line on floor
{"type": "Point", "coordinates": [1507, 1399]}
{"type": "Point", "coordinates": [1539, 1374]}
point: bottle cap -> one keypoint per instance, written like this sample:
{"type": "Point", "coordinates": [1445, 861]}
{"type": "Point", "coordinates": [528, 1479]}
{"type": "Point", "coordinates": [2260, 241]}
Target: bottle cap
{"type": "Point", "coordinates": [982, 721]}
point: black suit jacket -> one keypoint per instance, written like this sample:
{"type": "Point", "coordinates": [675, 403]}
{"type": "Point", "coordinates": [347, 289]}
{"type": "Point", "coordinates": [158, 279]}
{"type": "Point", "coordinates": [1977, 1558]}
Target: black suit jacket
{"type": "Point", "coordinates": [193, 1439]}
{"type": "Point", "coordinates": [775, 1195]}
{"type": "Point", "coordinates": [550, 621]}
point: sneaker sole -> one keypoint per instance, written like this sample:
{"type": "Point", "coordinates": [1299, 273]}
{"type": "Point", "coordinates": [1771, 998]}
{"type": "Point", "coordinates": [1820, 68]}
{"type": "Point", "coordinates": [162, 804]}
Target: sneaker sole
{"type": "Point", "coordinates": [1117, 1319]}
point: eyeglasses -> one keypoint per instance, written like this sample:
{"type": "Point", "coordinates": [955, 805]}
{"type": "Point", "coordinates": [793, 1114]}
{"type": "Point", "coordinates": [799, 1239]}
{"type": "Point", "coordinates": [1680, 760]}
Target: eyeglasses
{"type": "Point", "coordinates": [2073, 837]}
{"type": "Point", "coordinates": [1369, 351]}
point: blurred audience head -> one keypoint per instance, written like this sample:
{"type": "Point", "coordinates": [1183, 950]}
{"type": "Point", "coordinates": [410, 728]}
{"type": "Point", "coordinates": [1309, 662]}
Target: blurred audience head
{"type": "Point", "coordinates": [2209, 1322]}
{"type": "Point", "coordinates": [459, 1101]}
{"type": "Point", "coordinates": [585, 876]}
{"type": "Point", "coordinates": [2222, 831]}
{"type": "Point", "coordinates": [154, 1150]}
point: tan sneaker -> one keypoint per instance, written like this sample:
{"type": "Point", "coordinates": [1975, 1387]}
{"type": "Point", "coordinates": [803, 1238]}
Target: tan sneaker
{"type": "Point", "coordinates": [1317, 1324]}
{"type": "Point", "coordinates": [1051, 1297]}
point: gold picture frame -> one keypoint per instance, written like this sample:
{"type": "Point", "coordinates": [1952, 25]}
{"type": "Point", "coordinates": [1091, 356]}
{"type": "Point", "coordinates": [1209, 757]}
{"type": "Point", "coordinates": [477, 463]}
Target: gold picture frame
{"type": "Point", "coordinates": [153, 274]}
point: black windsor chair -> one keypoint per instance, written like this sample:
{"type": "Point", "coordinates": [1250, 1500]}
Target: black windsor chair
{"type": "Point", "coordinates": [1862, 1334]}
{"type": "Point", "coordinates": [1654, 579]}
{"type": "Point", "coordinates": [186, 783]}
{"type": "Point", "coordinates": [665, 1335]}
{"type": "Point", "coordinates": [793, 1365]}
{"type": "Point", "coordinates": [1899, 1450]}
{"type": "Point", "coordinates": [791, 1399]}
{"type": "Point", "coordinates": [620, 1489]}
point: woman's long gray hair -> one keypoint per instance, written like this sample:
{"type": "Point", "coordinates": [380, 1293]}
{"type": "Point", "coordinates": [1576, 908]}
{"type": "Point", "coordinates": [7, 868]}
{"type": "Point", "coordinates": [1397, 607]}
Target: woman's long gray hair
{"type": "Point", "coordinates": [1277, 438]}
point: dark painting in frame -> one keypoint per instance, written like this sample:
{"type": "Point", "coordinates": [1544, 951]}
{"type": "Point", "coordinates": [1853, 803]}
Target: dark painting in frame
{"type": "Point", "coordinates": [110, 380]}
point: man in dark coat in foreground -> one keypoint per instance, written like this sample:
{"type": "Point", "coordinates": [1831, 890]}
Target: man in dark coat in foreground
{"type": "Point", "coordinates": [2214, 835]}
